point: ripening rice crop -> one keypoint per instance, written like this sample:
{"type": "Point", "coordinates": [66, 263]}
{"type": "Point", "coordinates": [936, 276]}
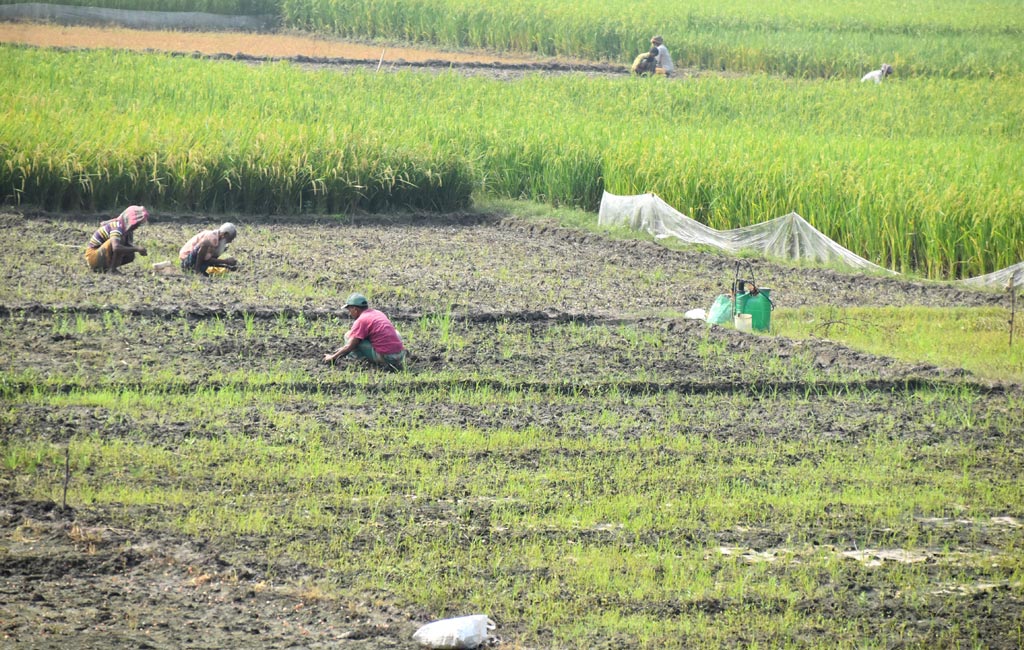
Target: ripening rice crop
{"type": "Point", "coordinates": [107, 128]}
{"type": "Point", "coordinates": [922, 174]}
{"type": "Point", "coordinates": [817, 38]}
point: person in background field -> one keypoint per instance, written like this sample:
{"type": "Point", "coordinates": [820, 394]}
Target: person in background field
{"type": "Point", "coordinates": [664, 58]}
{"type": "Point", "coordinates": [112, 246]}
{"type": "Point", "coordinates": [372, 337]}
{"type": "Point", "coordinates": [205, 248]}
{"type": "Point", "coordinates": [646, 64]}
{"type": "Point", "coordinates": [878, 75]}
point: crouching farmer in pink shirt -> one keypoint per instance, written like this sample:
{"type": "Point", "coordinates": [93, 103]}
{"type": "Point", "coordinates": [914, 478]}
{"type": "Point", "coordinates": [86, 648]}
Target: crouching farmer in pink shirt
{"type": "Point", "coordinates": [372, 337]}
{"type": "Point", "coordinates": [205, 248]}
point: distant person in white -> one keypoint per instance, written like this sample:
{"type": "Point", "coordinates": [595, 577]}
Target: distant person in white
{"type": "Point", "coordinates": [664, 58]}
{"type": "Point", "coordinates": [878, 75]}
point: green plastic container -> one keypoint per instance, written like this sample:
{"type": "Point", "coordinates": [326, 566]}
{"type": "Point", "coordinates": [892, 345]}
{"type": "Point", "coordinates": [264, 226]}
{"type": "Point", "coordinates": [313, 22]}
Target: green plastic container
{"type": "Point", "coordinates": [760, 309]}
{"type": "Point", "coordinates": [741, 303]}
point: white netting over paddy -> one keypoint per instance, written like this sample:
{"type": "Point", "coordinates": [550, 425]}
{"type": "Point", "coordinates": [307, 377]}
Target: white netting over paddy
{"type": "Point", "coordinates": [787, 237]}
{"type": "Point", "coordinates": [1000, 278]}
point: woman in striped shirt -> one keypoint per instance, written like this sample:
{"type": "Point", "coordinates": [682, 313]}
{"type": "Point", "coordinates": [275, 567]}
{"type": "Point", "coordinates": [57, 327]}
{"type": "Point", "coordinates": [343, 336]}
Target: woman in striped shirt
{"type": "Point", "coordinates": [111, 246]}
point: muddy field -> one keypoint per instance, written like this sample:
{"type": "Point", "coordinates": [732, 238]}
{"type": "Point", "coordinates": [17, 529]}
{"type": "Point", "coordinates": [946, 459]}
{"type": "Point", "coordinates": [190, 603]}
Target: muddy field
{"type": "Point", "coordinates": [487, 303]}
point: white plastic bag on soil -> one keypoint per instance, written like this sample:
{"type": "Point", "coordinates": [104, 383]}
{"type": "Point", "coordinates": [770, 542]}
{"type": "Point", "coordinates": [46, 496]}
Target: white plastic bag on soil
{"type": "Point", "coordinates": [461, 632]}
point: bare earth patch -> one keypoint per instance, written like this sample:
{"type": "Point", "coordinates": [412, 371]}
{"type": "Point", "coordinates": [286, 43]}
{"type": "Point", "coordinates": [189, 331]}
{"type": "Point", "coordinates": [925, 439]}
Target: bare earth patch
{"type": "Point", "coordinates": [276, 45]}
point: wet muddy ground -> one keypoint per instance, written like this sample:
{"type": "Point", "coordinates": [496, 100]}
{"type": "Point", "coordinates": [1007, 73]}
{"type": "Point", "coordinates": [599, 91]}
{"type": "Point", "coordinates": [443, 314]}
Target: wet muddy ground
{"type": "Point", "coordinates": [576, 322]}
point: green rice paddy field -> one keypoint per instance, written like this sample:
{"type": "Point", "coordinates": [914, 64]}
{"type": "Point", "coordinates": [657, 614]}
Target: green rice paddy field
{"type": "Point", "coordinates": [566, 453]}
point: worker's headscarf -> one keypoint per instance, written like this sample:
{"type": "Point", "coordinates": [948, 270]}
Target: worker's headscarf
{"type": "Point", "coordinates": [657, 40]}
{"type": "Point", "coordinates": [132, 218]}
{"type": "Point", "coordinates": [127, 221]}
